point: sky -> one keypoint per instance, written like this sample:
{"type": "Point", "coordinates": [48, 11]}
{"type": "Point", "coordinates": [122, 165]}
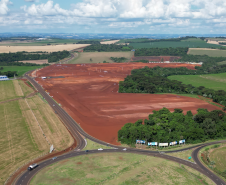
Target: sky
{"type": "Point", "coordinates": [114, 16]}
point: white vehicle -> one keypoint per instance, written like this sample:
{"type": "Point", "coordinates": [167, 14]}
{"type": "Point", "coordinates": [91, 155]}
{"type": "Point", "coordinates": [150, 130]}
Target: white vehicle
{"type": "Point", "coordinates": [100, 149]}
{"type": "Point", "coordinates": [31, 167]}
{"type": "Point", "coordinates": [124, 149]}
{"type": "Point", "coordinates": [53, 105]}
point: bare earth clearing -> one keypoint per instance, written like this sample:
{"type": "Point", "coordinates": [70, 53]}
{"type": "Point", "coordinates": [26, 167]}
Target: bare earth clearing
{"type": "Point", "coordinates": [50, 48]}
{"type": "Point", "coordinates": [89, 94]}
{"type": "Point", "coordinates": [27, 128]}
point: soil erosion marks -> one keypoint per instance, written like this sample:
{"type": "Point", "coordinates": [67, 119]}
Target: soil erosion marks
{"type": "Point", "coordinates": [88, 92]}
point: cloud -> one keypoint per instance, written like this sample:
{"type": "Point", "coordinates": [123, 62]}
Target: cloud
{"type": "Point", "coordinates": [112, 14]}
{"type": "Point", "coordinates": [3, 6]}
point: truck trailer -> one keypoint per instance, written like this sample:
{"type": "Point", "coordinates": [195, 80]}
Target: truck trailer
{"type": "Point", "coordinates": [32, 166]}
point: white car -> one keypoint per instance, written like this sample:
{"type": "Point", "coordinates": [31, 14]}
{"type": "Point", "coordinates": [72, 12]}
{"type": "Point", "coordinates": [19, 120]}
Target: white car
{"type": "Point", "coordinates": [124, 149]}
{"type": "Point", "coordinates": [100, 149]}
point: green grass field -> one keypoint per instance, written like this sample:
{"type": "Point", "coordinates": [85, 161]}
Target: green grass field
{"type": "Point", "coordinates": [118, 169]}
{"type": "Point", "coordinates": [99, 57]}
{"type": "Point", "coordinates": [218, 156]}
{"type": "Point", "coordinates": [211, 53]}
{"type": "Point", "coordinates": [132, 40]}
{"type": "Point", "coordinates": [212, 81]}
{"type": "Point", "coordinates": [20, 69]}
{"type": "Point", "coordinates": [173, 44]}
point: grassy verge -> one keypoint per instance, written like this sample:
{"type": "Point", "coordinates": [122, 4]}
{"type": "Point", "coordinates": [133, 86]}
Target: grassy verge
{"type": "Point", "coordinates": [183, 155]}
{"type": "Point", "coordinates": [118, 168]}
{"type": "Point", "coordinates": [213, 157]}
{"type": "Point", "coordinates": [92, 145]}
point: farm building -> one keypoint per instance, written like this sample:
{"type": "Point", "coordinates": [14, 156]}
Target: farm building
{"type": "Point", "coordinates": [3, 78]}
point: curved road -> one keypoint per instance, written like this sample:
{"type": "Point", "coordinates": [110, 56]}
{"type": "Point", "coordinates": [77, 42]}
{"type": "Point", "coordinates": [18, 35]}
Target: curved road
{"type": "Point", "coordinates": [77, 131]}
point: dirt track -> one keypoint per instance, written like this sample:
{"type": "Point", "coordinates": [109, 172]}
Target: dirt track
{"type": "Point", "coordinates": [89, 94]}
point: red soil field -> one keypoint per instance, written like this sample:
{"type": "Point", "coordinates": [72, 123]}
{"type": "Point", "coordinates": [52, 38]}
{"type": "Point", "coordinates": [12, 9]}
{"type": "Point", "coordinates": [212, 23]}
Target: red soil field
{"type": "Point", "coordinates": [89, 94]}
{"type": "Point", "coordinates": [156, 58]}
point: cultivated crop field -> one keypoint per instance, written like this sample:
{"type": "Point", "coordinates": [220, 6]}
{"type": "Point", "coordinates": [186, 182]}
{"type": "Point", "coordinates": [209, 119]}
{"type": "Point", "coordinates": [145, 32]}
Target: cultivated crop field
{"type": "Point", "coordinates": [35, 61]}
{"type": "Point", "coordinates": [212, 81]}
{"type": "Point", "coordinates": [41, 42]}
{"type": "Point", "coordinates": [173, 44]}
{"type": "Point", "coordinates": [110, 42]}
{"type": "Point", "coordinates": [209, 52]}
{"type": "Point", "coordinates": [21, 137]}
{"type": "Point", "coordinates": [49, 48]}
{"type": "Point", "coordinates": [20, 69]}
{"type": "Point", "coordinates": [118, 169]}
{"type": "Point", "coordinates": [10, 90]}
{"type": "Point", "coordinates": [99, 57]}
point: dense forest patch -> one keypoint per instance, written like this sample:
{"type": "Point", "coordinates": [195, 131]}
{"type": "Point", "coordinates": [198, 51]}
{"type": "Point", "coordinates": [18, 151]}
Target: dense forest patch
{"type": "Point", "coordinates": [164, 126]}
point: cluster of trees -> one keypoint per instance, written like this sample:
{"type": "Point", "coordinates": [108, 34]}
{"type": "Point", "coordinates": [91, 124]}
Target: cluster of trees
{"type": "Point", "coordinates": [88, 42]}
{"type": "Point", "coordinates": [107, 48]}
{"type": "Point", "coordinates": [154, 80]}
{"type": "Point", "coordinates": [118, 59]}
{"type": "Point", "coordinates": [9, 59]}
{"type": "Point", "coordinates": [180, 51]}
{"type": "Point", "coordinates": [164, 126]}
{"type": "Point", "coordinates": [9, 73]}
{"type": "Point", "coordinates": [56, 56]}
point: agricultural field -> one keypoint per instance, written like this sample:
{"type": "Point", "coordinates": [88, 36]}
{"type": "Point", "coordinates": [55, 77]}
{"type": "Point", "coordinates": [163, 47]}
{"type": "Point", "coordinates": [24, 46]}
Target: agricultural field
{"type": "Point", "coordinates": [209, 52]}
{"type": "Point", "coordinates": [41, 42]}
{"type": "Point", "coordinates": [20, 69]}
{"type": "Point", "coordinates": [174, 44]}
{"type": "Point", "coordinates": [120, 169]}
{"type": "Point", "coordinates": [22, 139]}
{"type": "Point", "coordinates": [212, 81]}
{"type": "Point", "coordinates": [35, 61]}
{"type": "Point", "coordinates": [99, 57]}
{"type": "Point", "coordinates": [110, 42]}
{"type": "Point", "coordinates": [10, 90]}
{"type": "Point", "coordinates": [48, 48]}
{"type": "Point", "coordinates": [133, 40]}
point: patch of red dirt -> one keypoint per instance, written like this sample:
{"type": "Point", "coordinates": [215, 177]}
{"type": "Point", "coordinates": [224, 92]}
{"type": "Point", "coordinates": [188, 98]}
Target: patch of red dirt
{"type": "Point", "coordinates": [88, 92]}
{"type": "Point", "coordinates": [79, 162]}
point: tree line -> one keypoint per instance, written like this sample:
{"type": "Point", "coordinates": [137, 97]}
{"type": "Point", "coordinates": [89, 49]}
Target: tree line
{"type": "Point", "coordinates": [154, 80]}
{"type": "Point", "coordinates": [164, 126]}
{"type": "Point", "coordinates": [118, 59]}
{"type": "Point", "coordinates": [107, 48]}
{"type": "Point", "coordinates": [10, 59]}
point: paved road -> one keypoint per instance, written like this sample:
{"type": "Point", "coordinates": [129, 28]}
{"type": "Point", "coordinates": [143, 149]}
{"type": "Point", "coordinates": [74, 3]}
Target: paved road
{"type": "Point", "coordinates": [76, 130]}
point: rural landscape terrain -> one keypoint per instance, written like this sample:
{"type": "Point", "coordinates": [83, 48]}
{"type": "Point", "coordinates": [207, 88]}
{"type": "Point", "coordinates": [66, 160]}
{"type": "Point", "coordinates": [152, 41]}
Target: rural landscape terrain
{"type": "Point", "coordinates": [93, 99]}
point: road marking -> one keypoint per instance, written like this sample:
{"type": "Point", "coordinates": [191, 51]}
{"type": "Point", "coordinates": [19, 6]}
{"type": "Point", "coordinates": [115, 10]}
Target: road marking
{"type": "Point", "coordinates": [25, 176]}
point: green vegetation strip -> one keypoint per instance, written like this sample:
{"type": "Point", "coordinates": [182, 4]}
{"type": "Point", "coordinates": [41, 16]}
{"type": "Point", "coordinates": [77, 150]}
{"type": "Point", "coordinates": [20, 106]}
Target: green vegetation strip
{"type": "Point", "coordinates": [120, 169]}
